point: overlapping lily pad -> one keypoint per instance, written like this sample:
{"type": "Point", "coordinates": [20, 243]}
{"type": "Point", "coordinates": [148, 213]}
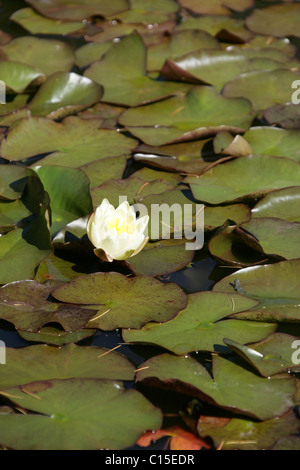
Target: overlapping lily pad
{"type": "Point", "coordinates": [202, 325]}
{"type": "Point", "coordinates": [148, 11]}
{"type": "Point", "coordinates": [55, 336]}
{"type": "Point", "coordinates": [18, 77]}
{"type": "Point", "coordinates": [287, 116]}
{"type": "Point", "coordinates": [281, 204]}
{"type": "Point", "coordinates": [253, 176]}
{"type": "Point", "coordinates": [70, 143]}
{"type": "Point", "coordinates": [201, 112]}
{"type": "Point", "coordinates": [274, 285]}
{"type": "Point", "coordinates": [43, 362]}
{"type": "Point", "coordinates": [218, 7]}
{"type": "Point", "coordinates": [232, 386]}
{"type": "Point", "coordinates": [120, 301]}
{"type": "Point", "coordinates": [122, 73]}
{"type": "Point", "coordinates": [276, 20]}
{"type": "Point", "coordinates": [71, 408]}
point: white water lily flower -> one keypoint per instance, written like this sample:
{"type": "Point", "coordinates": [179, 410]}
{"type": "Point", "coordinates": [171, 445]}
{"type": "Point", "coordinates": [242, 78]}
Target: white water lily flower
{"type": "Point", "coordinates": [116, 233]}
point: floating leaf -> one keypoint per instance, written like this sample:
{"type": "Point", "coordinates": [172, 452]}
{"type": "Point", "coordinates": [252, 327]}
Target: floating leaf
{"type": "Point", "coordinates": [104, 169]}
{"type": "Point", "coordinates": [148, 11]}
{"type": "Point", "coordinates": [287, 116]}
{"type": "Point", "coordinates": [276, 286]}
{"type": "Point", "coordinates": [45, 55]}
{"type": "Point", "coordinates": [43, 362]}
{"type": "Point", "coordinates": [56, 337]}
{"type": "Point", "coordinates": [179, 439]}
{"type": "Point", "coordinates": [122, 73]}
{"type": "Point", "coordinates": [232, 387]}
{"type": "Point", "coordinates": [217, 7]}
{"type": "Point", "coordinates": [276, 20]}
{"type": "Point", "coordinates": [281, 204]}
{"type": "Point", "coordinates": [18, 77]}
{"type": "Point", "coordinates": [25, 304]}
{"type": "Point", "coordinates": [60, 9]}
{"type": "Point", "coordinates": [200, 325]}
{"type": "Point", "coordinates": [122, 301]}
{"type": "Point", "coordinates": [217, 216]}
{"type": "Point", "coordinates": [13, 180]}
{"type": "Point", "coordinates": [253, 176]}
{"type": "Point", "coordinates": [200, 113]}
{"type": "Point", "coordinates": [68, 415]}
{"type": "Point", "coordinates": [64, 93]}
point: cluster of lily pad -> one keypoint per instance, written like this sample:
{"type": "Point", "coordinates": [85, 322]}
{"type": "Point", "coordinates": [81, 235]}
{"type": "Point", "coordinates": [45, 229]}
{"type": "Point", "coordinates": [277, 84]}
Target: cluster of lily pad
{"type": "Point", "coordinates": [164, 101]}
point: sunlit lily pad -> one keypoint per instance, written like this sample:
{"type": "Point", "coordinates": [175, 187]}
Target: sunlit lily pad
{"type": "Point", "coordinates": [178, 44]}
{"type": "Point", "coordinates": [270, 356]}
{"type": "Point", "coordinates": [200, 113]}
{"type": "Point", "coordinates": [253, 175]}
{"type": "Point", "coordinates": [122, 73]}
{"type": "Point", "coordinates": [232, 387]}
{"type": "Point", "coordinates": [64, 93]}
{"type": "Point", "coordinates": [202, 325]}
{"type": "Point", "coordinates": [276, 286]}
{"type": "Point", "coordinates": [77, 10]}
{"type": "Point", "coordinates": [276, 20]}
{"type": "Point", "coordinates": [281, 204]}
{"type": "Point", "coordinates": [91, 52]}
{"type": "Point", "coordinates": [18, 77]}
{"type": "Point", "coordinates": [43, 362]}
{"type": "Point", "coordinates": [277, 87]}
{"type": "Point", "coordinates": [36, 24]}
{"type": "Point", "coordinates": [217, 216]}
{"type": "Point", "coordinates": [68, 189]}
{"type": "Point", "coordinates": [26, 305]}
{"type": "Point", "coordinates": [101, 170]}
{"type": "Point", "coordinates": [244, 434]}
{"type": "Point", "coordinates": [122, 301]}
{"type": "Point", "coordinates": [45, 55]}
{"type": "Point", "coordinates": [55, 336]}
{"type": "Point", "coordinates": [70, 143]}
{"type": "Point", "coordinates": [68, 415]}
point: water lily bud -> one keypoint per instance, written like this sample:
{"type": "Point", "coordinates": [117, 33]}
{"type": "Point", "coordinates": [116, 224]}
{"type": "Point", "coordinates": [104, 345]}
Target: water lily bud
{"type": "Point", "coordinates": [116, 233]}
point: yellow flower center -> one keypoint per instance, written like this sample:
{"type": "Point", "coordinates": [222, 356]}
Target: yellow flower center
{"type": "Point", "coordinates": [120, 224]}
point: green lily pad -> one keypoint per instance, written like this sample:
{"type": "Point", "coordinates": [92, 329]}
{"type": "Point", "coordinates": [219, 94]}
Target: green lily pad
{"type": "Point", "coordinates": [77, 10]}
{"type": "Point", "coordinates": [223, 27]}
{"type": "Point", "coordinates": [25, 304]}
{"type": "Point", "coordinates": [281, 204]}
{"type": "Point", "coordinates": [178, 44]}
{"type": "Point", "coordinates": [270, 356]}
{"type": "Point", "coordinates": [122, 73]}
{"type": "Point", "coordinates": [91, 52]}
{"type": "Point", "coordinates": [105, 169]}
{"type": "Point", "coordinates": [11, 212]}
{"type": "Point", "coordinates": [274, 285]}
{"type": "Point", "coordinates": [64, 93]}
{"type": "Point", "coordinates": [68, 189]}
{"type": "Point", "coordinates": [253, 176]}
{"type": "Point", "coordinates": [202, 325]}
{"type": "Point", "coordinates": [272, 235]}
{"type": "Point", "coordinates": [217, 216]}
{"type": "Point", "coordinates": [244, 434]}
{"type": "Point", "coordinates": [218, 7]}
{"type": "Point", "coordinates": [287, 116]}
{"type": "Point", "coordinates": [13, 180]}
{"type": "Point", "coordinates": [122, 301]}
{"type": "Point", "coordinates": [208, 65]}
{"type": "Point", "coordinates": [277, 87]}
{"type": "Point", "coordinates": [163, 257]}
{"type": "Point", "coordinates": [18, 77]}
{"type": "Point", "coordinates": [70, 416]}
{"type": "Point", "coordinates": [56, 337]}
{"type": "Point", "coordinates": [43, 362]}
{"type": "Point", "coordinates": [73, 142]}
{"type": "Point", "coordinates": [232, 387]}
{"type": "Point", "coordinates": [148, 11]}
{"type": "Point", "coordinates": [276, 20]}
{"type": "Point", "coordinates": [45, 55]}
{"type": "Point", "coordinates": [17, 104]}
{"type": "Point", "coordinates": [30, 20]}
{"type": "Point", "coordinates": [200, 113]}
{"type": "Point", "coordinates": [287, 443]}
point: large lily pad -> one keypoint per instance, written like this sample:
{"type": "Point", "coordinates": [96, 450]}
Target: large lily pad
{"type": "Point", "coordinates": [43, 362]}
{"type": "Point", "coordinates": [217, 7]}
{"type": "Point", "coordinates": [201, 326]}
{"type": "Point", "coordinates": [76, 10]}
{"type": "Point", "coordinates": [277, 87]}
{"type": "Point", "coordinates": [68, 189]}
{"type": "Point", "coordinates": [18, 77]}
{"type": "Point", "coordinates": [122, 301]}
{"type": "Point", "coordinates": [45, 55]}
{"type": "Point", "coordinates": [232, 386]}
{"type": "Point", "coordinates": [64, 93]}
{"type": "Point", "coordinates": [281, 204]}
{"type": "Point", "coordinates": [26, 305]}
{"type": "Point", "coordinates": [68, 415]}
{"type": "Point", "coordinates": [148, 11]}
{"type": "Point", "coordinates": [73, 142]}
{"type": "Point", "coordinates": [122, 73]}
{"type": "Point", "coordinates": [13, 180]}
{"type": "Point", "coordinates": [253, 176]}
{"type": "Point", "coordinates": [276, 286]}
{"type": "Point", "coordinates": [104, 169]}
{"type": "Point", "coordinates": [276, 20]}
{"type": "Point", "coordinates": [200, 113]}
{"type": "Point", "coordinates": [270, 356]}
{"type": "Point", "coordinates": [36, 24]}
